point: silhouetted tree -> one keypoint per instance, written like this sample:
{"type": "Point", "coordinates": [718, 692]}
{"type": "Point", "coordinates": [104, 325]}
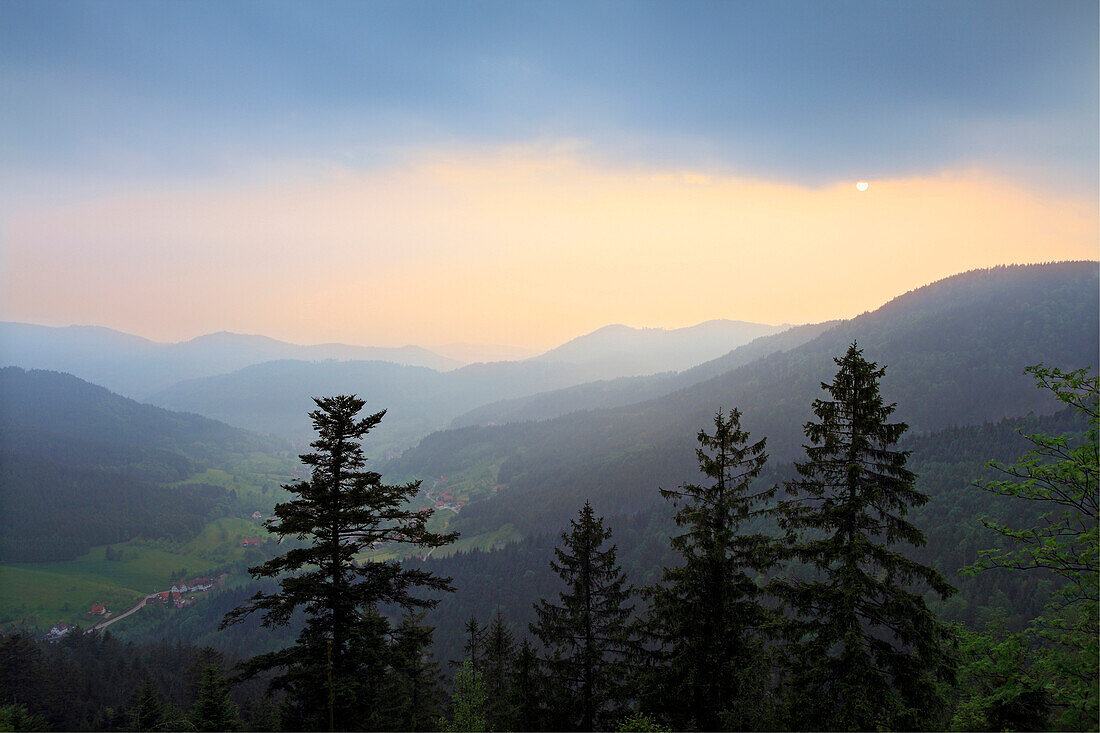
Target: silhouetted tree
{"type": "Point", "coordinates": [528, 689]}
{"type": "Point", "coordinates": [500, 650]}
{"type": "Point", "coordinates": [332, 674]}
{"type": "Point", "coordinates": [147, 712]}
{"type": "Point", "coordinates": [706, 612]}
{"type": "Point", "coordinates": [586, 636]}
{"type": "Point", "coordinates": [866, 652]}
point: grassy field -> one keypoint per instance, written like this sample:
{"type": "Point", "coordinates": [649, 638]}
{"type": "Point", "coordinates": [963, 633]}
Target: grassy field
{"type": "Point", "coordinates": [40, 594]}
{"type": "Point", "coordinates": [36, 597]}
{"type": "Point", "coordinates": [119, 575]}
{"type": "Point", "coordinates": [139, 566]}
{"type": "Point", "coordinates": [220, 540]}
{"type": "Point", "coordinates": [485, 541]}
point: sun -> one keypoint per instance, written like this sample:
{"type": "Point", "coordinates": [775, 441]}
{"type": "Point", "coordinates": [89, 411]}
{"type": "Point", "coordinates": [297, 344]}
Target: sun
{"type": "Point", "coordinates": [862, 186]}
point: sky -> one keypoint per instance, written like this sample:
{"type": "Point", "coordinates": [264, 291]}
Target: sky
{"type": "Point", "coordinates": [520, 173]}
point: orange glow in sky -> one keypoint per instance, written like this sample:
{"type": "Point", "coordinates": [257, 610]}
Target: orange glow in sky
{"type": "Point", "coordinates": [521, 246]}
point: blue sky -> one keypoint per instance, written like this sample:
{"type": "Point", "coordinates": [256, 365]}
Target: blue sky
{"type": "Point", "coordinates": [811, 92]}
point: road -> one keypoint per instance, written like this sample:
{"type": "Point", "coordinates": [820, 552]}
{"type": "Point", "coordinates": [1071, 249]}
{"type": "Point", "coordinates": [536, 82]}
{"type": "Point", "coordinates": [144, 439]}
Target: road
{"type": "Point", "coordinates": [104, 624]}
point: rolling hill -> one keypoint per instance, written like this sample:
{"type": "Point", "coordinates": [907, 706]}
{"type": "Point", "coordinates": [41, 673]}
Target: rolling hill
{"type": "Point", "coordinates": [627, 390]}
{"type": "Point", "coordinates": [137, 367]}
{"type": "Point", "coordinates": [625, 351]}
{"type": "Point", "coordinates": [955, 352]}
{"type": "Point", "coordinates": [81, 466]}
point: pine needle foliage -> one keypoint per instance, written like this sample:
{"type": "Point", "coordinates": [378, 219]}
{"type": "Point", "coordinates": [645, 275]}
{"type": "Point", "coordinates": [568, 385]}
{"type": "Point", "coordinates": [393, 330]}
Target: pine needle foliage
{"type": "Point", "coordinates": [865, 651]}
{"type": "Point", "coordinates": [706, 614]}
{"type": "Point", "coordinates": [586, 635]}
{"type": "Point", "coordinates": [333, 673]}
{"type": "Point", "coordinates": [213, 709]}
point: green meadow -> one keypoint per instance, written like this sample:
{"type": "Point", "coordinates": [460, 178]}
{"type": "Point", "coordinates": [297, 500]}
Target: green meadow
{"type": "Point", "coordinates": [118, 575]}
{"type": "Point", "coordinates": [36, 597]}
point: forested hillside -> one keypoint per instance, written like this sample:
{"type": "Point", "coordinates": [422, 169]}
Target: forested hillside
{"type": "Point", "coordinates": [947, 464]}
{"type": "Point", "coordinates": [956, 349]}
{"type": "Point", "coordinates": [510, 580]}
{"type": "Point", "coordinates": [630, 351]}
{"type": "Point", "coordinates": [628, 390]}
{"type": "Point", "coordinates": [80, 466]}
{"type": "Point", "coordinates": [275, 396]}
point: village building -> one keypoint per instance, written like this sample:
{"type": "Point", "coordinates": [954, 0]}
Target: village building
{"type": "Point", "coordinates": [58, 631]}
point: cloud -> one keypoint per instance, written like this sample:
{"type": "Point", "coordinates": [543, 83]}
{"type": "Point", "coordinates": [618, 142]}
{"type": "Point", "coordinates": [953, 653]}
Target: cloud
{"type": "Point", "coordinates": [794, 91]}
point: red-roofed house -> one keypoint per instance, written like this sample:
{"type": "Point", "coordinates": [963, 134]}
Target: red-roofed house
{"type": "Point", "coordinates": [250, 542]}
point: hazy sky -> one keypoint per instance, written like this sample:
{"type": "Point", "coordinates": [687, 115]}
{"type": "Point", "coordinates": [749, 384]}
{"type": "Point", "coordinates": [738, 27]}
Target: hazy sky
{"type": "Point", "coordinates": [522, 172]}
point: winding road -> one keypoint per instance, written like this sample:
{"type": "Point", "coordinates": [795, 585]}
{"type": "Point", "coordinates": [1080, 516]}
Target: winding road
{"type": "Point", "coordinates": [107, 622]}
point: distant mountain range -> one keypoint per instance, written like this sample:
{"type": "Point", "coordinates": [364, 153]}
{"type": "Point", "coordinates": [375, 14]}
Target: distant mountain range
{"type": "Point", "coordinates": [955, 352]}
{"type": "Point", "coordinates": [137, 367]}
{"type": "Point", "coordinates": [475, 353]}
{"type": "Point", "coordinates": [626, 390]}
{"type": "Point", "coordinates": [627, 352]}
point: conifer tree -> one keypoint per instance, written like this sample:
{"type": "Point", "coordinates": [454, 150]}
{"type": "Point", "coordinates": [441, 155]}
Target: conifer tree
{"type": "Point", "coordinates": [866, 652]}
{"type": "Point", "coordinates": [706, 613]}
{"type": "Point", "coordinates": [527, 690]}
{"type": "Point", "coordinates": [473, 650]}
{"type": "Point", "coordinates": [586, 636]}
{"type": "Point", "coordinates": [468, 701]}
{"type": "Point", "coordinates": [332, 674]}
{"type": "Point", "coordinates": [147, 712]}
{"type": "Point", "coordinates": [416, 695]}
{"type": "Point", "coordinates": [213, 710]}
{"type": "Point", "coordinates": [500, 650]}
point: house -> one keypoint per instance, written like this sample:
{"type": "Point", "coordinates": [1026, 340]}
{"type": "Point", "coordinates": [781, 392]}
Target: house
{"type": "Point", "coordinates": [201, 584]}
{"type": "Point", "coordinates": [98, 609]}
{"type": "Point", "coordinates": [257, 516]}
{"type": "Point", "coordinates": [58, 631]}
{"type": "Point", "coordinates": [250, 542]}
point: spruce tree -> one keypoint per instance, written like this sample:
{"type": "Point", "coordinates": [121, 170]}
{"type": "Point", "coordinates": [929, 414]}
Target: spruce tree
{"type": "Point", "coordinates": [473, 650]}
{"type": "Point", "coordinates": [416, 697]}
{"type": "Point", "coordinates": [527, 691]}
{"type": "Point", "coordinates": [866, 652]}
{"type": "Point", "coordinates": [706, 613]}
{"type": "Point", "coordinates": [333, 673]}
{"type": "Point", "coordinates": [213, 710]}
{"type": "Point", "coordinates": [469, 701]}
{"type": "Point", "coordinates": [586, 636]}
{"type": "Point", "coordinates": [500, 650]}
{"type": "Point", "coordinates": [147, 711]}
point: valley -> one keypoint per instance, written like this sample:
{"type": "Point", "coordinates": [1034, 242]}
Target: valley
{"type": "Point", "coordinates": [508, 475]}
